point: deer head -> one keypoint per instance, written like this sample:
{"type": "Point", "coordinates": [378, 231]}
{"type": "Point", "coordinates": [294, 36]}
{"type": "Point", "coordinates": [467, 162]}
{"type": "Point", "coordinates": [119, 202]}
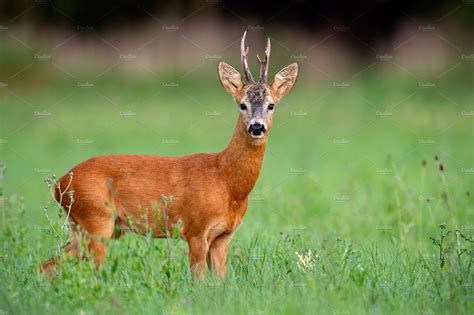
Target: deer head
{"type": "Point", "coordinates": [257, 100]}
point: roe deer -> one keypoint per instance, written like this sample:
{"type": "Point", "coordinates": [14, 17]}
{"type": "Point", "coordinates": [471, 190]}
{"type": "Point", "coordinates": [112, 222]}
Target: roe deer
{"type": "Point", "coordinates": [210, 190]}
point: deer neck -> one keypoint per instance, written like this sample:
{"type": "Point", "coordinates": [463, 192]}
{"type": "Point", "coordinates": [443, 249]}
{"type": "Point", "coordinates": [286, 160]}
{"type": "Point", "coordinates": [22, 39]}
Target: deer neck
{"type": "Point", "coordinates": [240, 163]}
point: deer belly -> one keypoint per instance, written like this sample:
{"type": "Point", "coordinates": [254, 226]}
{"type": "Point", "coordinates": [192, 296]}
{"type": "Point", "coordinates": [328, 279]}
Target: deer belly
{"type": "Point", "coordinates": [145, 206]}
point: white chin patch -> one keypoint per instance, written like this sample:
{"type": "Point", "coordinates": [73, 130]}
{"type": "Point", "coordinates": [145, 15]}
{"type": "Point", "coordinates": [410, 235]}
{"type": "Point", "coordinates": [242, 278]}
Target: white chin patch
{"type": "Point", "coordinates": [257, 137]}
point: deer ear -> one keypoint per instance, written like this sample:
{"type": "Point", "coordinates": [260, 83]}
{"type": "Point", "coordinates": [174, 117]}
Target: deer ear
{"type": "Point", "coordinates": [230, 79]}
{"type": "Point", "coordinates": [284, 80]}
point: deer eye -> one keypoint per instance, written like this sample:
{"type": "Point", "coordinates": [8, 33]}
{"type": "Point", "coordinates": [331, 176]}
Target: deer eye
{"type": "Point", "coordinates": [243, 107]}
{"type": "Point", "coordinates": [271, 106]}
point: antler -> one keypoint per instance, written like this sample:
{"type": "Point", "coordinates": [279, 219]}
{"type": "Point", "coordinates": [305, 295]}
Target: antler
{"type": "Point", "coordinates": [244, 53]}
{"type": "Point", "coordinates": [264, 63]}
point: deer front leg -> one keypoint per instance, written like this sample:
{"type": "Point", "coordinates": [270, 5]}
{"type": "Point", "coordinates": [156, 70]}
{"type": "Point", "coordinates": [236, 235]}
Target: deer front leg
{"type": "Point", "coordinates": [217, 255]}
{"type": "Point", "coordinates": [198, 247]}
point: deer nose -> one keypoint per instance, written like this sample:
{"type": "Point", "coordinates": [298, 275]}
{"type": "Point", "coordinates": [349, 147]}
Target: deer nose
{"type": "Point", "coordinates": [257, 129]}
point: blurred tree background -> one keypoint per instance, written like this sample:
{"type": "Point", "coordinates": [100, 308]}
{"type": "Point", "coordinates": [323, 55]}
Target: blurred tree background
{"type": "Point", "coordinates": [190, 31]}
{"type": "Point", "coordinates": [381, 17]}
{"type": "Point", "coordinates": [368, 20]}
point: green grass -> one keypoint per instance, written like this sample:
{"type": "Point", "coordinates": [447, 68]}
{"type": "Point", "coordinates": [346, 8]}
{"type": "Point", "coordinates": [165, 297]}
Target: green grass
{"type": "Point", "coordinates": [342, 177]}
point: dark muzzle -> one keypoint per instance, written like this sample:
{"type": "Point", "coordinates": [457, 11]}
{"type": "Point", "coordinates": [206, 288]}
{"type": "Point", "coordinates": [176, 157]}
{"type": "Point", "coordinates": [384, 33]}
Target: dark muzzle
{"type": "Point", "coordinates": [257, 129]}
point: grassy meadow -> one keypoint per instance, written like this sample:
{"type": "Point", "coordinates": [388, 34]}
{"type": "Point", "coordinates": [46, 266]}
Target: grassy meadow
{"type": "Point", "coordinates": [364, 204]}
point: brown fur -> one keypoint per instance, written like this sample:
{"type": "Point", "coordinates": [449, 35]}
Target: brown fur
{"type": "Point", "coordinates": [210, 194]}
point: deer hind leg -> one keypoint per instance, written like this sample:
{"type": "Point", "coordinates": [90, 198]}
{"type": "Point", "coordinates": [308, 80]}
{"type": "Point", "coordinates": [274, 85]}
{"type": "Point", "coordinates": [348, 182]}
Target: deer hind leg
{"type": "Point", "coordinates": [96, 222]}
{"type": "Point", "coordinates": [72, 249]}
{"type": "Point", "coordinates": [99, 230]}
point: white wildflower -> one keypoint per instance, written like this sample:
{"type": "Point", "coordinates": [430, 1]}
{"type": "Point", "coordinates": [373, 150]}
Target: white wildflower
{"type": "Point", "coordinates": [306, 260]}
